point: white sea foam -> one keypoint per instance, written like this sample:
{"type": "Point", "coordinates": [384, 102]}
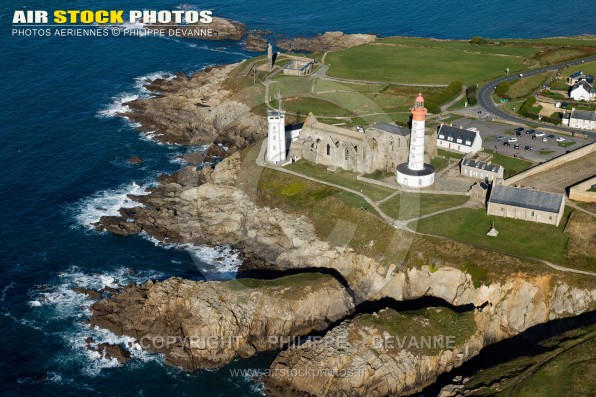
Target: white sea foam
{"type": "Point", "coordinates": [118, 105]}
{"type": "Point", "coordinates": [107, 203]}
{"type": "Point", "coordinates": [5, 290]}
{"type": "Point", "coordinates": [215, 263]}
{"type": "Point", "coordinates": [62, 303]}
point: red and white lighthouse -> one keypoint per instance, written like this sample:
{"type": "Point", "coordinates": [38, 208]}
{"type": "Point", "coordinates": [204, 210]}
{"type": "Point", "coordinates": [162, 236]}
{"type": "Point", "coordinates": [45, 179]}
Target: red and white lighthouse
{"type": "Point", "coordinates": [415, 173]}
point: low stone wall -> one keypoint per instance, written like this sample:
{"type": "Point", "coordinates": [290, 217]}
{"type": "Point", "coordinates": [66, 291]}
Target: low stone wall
{"type": "Point", "coordinates": [554, 163]}
{"type": "Point", "coordinates": [580, 192]}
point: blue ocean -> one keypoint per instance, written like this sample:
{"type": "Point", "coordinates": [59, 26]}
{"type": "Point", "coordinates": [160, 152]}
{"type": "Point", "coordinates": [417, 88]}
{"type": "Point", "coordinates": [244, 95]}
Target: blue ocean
{"type": "Point", "coordinates": [64, 164]}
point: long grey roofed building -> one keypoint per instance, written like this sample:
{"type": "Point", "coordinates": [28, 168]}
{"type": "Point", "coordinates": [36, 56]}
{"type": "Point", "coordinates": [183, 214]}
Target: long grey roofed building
{"type": "Point", "coordinates": [583, 115]}
{"type": "Point", "coordinates": [467, 137]}
{"type": "Point", "coordinates": [526, 198]}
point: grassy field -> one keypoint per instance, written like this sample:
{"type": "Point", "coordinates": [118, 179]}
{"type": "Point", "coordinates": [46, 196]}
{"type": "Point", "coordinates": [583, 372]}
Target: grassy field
{"type": "Point", "coordinates": [516, 237]}
{"type": "Point", "coordinates": [341, 178]}
{"type": "Point", "coordinates": [512, 166]}
{"type": "Point", "coordinates": [421, 64]}
{"type": "Point", "coordinates": [304, 105]}
{"type": "Point", "coordinates": [447, 153]}
{"type": "Point", "coordinates": [524, 87]}
{"type": "Point", "coordinates": [587, 67]}
{"type": "Point", "coordinates": [410, 205]}
{"type": "Point", "coordinates": [567, 144]}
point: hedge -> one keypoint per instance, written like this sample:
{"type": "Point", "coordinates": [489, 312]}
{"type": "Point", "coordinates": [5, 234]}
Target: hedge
{"type": "Point", "coordinates": [471, 95]}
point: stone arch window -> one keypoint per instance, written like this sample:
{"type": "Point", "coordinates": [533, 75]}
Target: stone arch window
{"type": "Point", "coordinates": [373, 144]}
{"type": "Point", "coordinates": [532, 214]}
{"type": "Point", "coordinates": [356, 149]}
{"type": "Point", "coordinates": [346, 154]}
{"type": "Point", "coordinates": [328, 150]}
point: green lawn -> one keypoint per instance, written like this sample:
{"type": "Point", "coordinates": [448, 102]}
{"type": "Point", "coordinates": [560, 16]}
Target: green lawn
{"type": "Point", "coordinates": [587, 67]}
{"type": "Point", "coordinates": [567, 144]}
{"type": "Point", "coordinates": [419, 64]}
{"type": "Point", "coordinates": [319, 107]}
{"type": "Point", "coordinates": [342, 178]}
{"type": "Point", "coordinates": [515, 237]}
{"type": "Point", "coordinates": [524, 87]}
{"type": "Point", "coordinates": [545, 152]}
{"type": "Point", "coordinates": [411, 205]}
{"type": "Point", "coordinates": [512, 166]}
{"type": "Point", "coordinates": [439, 163]}
{"type": "Point", "coordinates": [447, 153]}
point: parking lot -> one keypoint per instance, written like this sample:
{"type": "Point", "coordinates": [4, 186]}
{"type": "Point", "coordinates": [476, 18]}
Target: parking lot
{"type": "Point", "coordinates": [541, 151]}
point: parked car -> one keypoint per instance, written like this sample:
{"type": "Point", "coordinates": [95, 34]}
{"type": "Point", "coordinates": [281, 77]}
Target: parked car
{"type": "Point", "coordinates": [501, 137]}
{"type": "Point", "coordinates": [506, 144]}
{"type": "Point", "coordinates": [360, 128]}
{"type": "Point", "coordinates": [518, 133]}
{"type": "Point", "coordinates": [560, 139]}
{"type": "Point", "coordinates": [545, 139]}
{"type": "Point", "coordinates": [530, 131]}
{"type": "Point", "coordinates": [527, 148]}
{"type": "Point", "coordinates": [512, 140]}
{"type": "Point", "coordinates": [551, 137]}
{"type": "Point", "coordinates": [516, 146]}
{"type": "Point", "coordinates": [519, 129]}
{"type": "Point", "coordinates": [534, 136]}
{"type": "Point", "coordinates": [521, 75]}
{"type": "Point", "coordinates": [540, 133]}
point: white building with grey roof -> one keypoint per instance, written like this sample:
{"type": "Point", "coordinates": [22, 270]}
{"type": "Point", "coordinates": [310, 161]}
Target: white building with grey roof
{"type": "Point", "coordinates": [526, 204]}
{"type": "Point", "coordinates": [458, 139]}
{"type": "Point", "coordinates": [481, 170]}
{"type": "Point", "coordinates": [580, 119]}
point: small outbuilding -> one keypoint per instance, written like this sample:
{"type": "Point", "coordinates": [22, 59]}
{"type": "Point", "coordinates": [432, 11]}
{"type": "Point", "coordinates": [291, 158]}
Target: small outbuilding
{"type": "Point", "coordinates": [481, 170]}
{"type": "Point", "coordinates": [526, 204]}
{"type": "Point", "coordinates": [299, 67]}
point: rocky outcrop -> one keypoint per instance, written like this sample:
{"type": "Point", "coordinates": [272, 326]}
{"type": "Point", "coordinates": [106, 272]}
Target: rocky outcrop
{"type": "Point", "coordinates": [380, 354]}
{"type": "Point", "coordinates": [207, 324]}
{"type": "Point", "coordinates": [218, 29]}
{"type": "Point", "coordinates": [329, 41]}
{"type": "Point", "coordinates": [196, 111]}
{"type": "Point", "coordinates": [503, 309]}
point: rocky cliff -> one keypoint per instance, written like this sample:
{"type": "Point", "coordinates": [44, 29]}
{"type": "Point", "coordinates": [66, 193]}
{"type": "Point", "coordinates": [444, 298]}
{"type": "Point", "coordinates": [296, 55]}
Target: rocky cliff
{"type": "Point", "coordinates": [208, 324]}
{"type": "Point", "coordinates": [196, 110]}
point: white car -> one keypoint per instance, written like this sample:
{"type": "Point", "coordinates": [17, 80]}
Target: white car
{"type": "Point", "coordinates": [512, 140]}
{"type": "Point", "coordinates": [545, 139]}
{"type": "Point", "coordinates": [540, 133]}
{"type": "Point", "coordinates": [560, 139]}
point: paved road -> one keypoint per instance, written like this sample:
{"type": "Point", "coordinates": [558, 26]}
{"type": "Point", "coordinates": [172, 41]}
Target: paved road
{"type": "Point", "coordinates": [486, 102]}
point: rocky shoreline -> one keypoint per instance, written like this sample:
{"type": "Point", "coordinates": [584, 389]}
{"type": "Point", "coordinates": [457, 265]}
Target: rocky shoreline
{"type": "Point", "coordinates": [209, 207]}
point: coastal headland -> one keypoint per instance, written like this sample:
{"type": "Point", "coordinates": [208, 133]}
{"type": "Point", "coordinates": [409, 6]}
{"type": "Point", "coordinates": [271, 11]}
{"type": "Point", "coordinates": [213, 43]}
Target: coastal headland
{"type": "Point", "coordinates": [318, 257]}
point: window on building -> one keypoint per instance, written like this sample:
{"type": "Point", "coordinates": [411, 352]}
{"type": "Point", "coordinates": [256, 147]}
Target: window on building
{"type": "Point", "coordinates": [373, 144]}
{"type": "Point", "coordinates": [328, 150]}
{"type": "Point", "coordinates": [532, 214]}
{"type": "Point", "coordinates": [346, 154]}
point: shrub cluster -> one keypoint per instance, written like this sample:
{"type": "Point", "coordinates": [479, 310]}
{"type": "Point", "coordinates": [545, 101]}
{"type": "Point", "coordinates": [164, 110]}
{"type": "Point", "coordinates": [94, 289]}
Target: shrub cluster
{"type": "Point", "coordinates": [472, 95]}
{"type": "Point", "coordinates": [433, 102]}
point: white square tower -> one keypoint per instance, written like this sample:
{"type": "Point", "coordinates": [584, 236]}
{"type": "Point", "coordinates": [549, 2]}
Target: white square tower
{"type": "Point", "coordinates": [276, 137]}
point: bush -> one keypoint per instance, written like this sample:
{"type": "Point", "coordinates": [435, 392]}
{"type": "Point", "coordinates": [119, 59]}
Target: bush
{"type": "Point", "coordinates": [432, 107]}
{"type": "Point", "coordinates": [471, 95]}
{"type": "Point", "coordinates": [526, 107]}
{"type": "Point", "coordinates": [446, 94]}
{"type": "Point", "coordinates": [502, 88]}
{"type": "Point", "coordinates": [479, 40]}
